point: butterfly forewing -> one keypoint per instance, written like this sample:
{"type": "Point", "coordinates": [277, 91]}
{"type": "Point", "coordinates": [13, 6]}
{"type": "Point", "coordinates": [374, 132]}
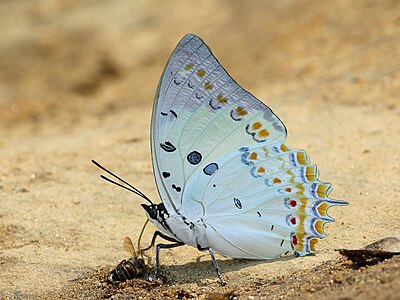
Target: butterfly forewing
{"type": "Point", "coordinates": [219, 155]}
{"type": "Point", "coordinates": [200, 114]}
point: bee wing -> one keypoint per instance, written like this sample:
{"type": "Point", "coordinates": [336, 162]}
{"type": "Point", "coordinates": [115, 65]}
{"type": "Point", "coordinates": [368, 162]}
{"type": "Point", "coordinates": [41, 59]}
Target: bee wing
{"type": "Point", "coordinates": [128, 246]}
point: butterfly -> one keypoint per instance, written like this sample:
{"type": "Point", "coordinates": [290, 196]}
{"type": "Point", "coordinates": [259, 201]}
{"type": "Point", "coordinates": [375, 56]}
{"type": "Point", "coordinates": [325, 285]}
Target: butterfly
{"type": "Point", "coordinates": [227, 180]}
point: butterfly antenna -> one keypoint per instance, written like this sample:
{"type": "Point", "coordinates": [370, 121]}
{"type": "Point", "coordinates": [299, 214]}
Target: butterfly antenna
{"type": "Point", "coordinates": [131, 188]}
{"type": "Point", "coordinates": [124, 187]}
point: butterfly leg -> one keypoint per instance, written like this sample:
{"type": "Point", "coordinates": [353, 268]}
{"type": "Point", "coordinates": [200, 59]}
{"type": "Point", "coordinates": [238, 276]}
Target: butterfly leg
{"type": "Point", "coordinates": [162, 235]}
{"type": "Point", "coordinates": [214, 261]}
{"type": "Point", "coordinates": [164, 246]}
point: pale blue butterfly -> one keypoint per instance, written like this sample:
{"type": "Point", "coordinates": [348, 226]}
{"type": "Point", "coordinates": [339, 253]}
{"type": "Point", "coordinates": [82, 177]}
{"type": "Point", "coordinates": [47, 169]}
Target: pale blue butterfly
{"type": "Point", "coordinates": [227, 181]}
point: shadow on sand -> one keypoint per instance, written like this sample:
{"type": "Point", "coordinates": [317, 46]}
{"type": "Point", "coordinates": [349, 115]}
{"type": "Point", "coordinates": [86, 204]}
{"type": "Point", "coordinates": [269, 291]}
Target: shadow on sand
{"type": "Point", "coordinates": [202, 268]}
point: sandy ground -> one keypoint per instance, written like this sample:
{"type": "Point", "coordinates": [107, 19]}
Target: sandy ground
{"type": "Point", "coordinates": [77, 81]}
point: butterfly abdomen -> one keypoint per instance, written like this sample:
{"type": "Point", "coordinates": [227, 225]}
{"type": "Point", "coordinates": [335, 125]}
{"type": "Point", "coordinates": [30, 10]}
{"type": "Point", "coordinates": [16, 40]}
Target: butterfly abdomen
{"type": "Point", "coordinates": [189, 231]}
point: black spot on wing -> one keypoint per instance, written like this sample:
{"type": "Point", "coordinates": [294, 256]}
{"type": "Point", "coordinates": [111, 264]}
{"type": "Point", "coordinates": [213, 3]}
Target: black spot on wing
{"type": "Point", "coordinates": [212, 106]}
{"type": "Point", "coordinates": [173, 113]}
{"type": "Point", "coordinates": [237, 202]}
{"type": "Point", "coordinates": [164, 114]}
{"type": "Point", "coordinates": [167, 146]}
{"type": "Point", "coordinates": [199, 96]}
{"type": "Point", "coordinates": [166, 174]}
{"type": "Point", "coordinates": [235, 118]}
{"type": "Point", "coordinates": [194, 157]}
{"type": "Point", "coordinates": [176, 188]}
{"type": "Point", "coordinates": [210, 169]}
{"type": "Point", "coordinates": [272, 227]}
{"type": "Point", "coordinates": [282, 242]}
{"type": "Point", "coordinates": [259, 214]}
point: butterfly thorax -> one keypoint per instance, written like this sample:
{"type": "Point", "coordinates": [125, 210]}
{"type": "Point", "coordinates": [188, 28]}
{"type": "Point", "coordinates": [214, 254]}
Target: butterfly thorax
{"type": "Point", "coordinates": [174, 224]}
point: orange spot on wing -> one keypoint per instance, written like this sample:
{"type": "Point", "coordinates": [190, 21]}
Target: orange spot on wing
{"type": "Point", "coordinates": [208, 86]}
{"type": "Point", "coordinates": [319, 227]}
{"type": "Point", "coordinates": [311, 173]}
{"type": "Point", "coordinates": [241, 111]}
{"type": "Point", "coordinates": [277, 180]}
{"type": "Point", "coordinates": [261, 170]}
{"type": "Point", "coordinates": [312, 244]}
{"type": "Point", "coordinates": [302, 158]}
{"type": "Point", "coordinates": [284, 148]}
{"type": "Point", "coordinates": [201, 72]}
{"type": "Point", "coordinates": [292, 177]}
{"type": "Point", "coordinates": [188, 67]}
{"type": "Point", "coordinates": [265, 149]}
{"type": "Point", "coordinates": [253, 156]}
{"type": "Point", "coordinates": [263, 133]}
{"type": "Point", "coordinates": [301, 189]}
{"type": "Point", "coordinates": [256, 125]}
{"type": "Point", "coordinates": [322, 208]}
{"type": "Point", "coordinates": [288, 190]}
{"type": "Point", "coordinates": [299, 246]}
{"type": "Point", "coordinates": [321, 191]}
{"type": "Point", "coordinates": [302, 213]}
{"type": "Point", "coordinates": [221, 99]}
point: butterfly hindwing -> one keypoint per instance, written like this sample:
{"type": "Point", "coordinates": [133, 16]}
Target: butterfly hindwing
{"type": "Point", "coordinates": [273, 190]}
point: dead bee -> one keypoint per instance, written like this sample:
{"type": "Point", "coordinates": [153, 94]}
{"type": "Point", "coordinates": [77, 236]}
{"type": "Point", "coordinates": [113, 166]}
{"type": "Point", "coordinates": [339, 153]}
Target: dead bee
{"type": "Point", "coordinates": [128, 269]}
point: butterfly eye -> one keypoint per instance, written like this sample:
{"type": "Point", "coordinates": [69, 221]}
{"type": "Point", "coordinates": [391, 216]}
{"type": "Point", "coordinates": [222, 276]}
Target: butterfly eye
{"type": "Point", "coordinates": [151, 210]}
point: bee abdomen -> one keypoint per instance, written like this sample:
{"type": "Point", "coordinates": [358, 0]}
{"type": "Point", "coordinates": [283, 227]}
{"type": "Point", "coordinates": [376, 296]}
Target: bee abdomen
{"type": "Point", "coordinates": [127, 269]}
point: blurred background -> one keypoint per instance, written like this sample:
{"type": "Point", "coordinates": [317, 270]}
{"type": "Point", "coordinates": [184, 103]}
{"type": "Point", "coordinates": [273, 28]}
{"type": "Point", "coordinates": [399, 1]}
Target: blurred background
{"type": "Point", "coordinates": [68, 58]}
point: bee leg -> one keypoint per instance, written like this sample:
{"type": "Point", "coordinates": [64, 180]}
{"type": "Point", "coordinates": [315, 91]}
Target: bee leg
{"type": "Point", "coordinates": [164, 246]}
{"type": "Point", "coordinates": [214, 261]}
{"type": "Point", "coordinates": [162, 235]}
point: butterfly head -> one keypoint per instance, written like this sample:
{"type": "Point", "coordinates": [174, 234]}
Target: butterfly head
{"type": "Point", "coordinates": [156, 212]}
